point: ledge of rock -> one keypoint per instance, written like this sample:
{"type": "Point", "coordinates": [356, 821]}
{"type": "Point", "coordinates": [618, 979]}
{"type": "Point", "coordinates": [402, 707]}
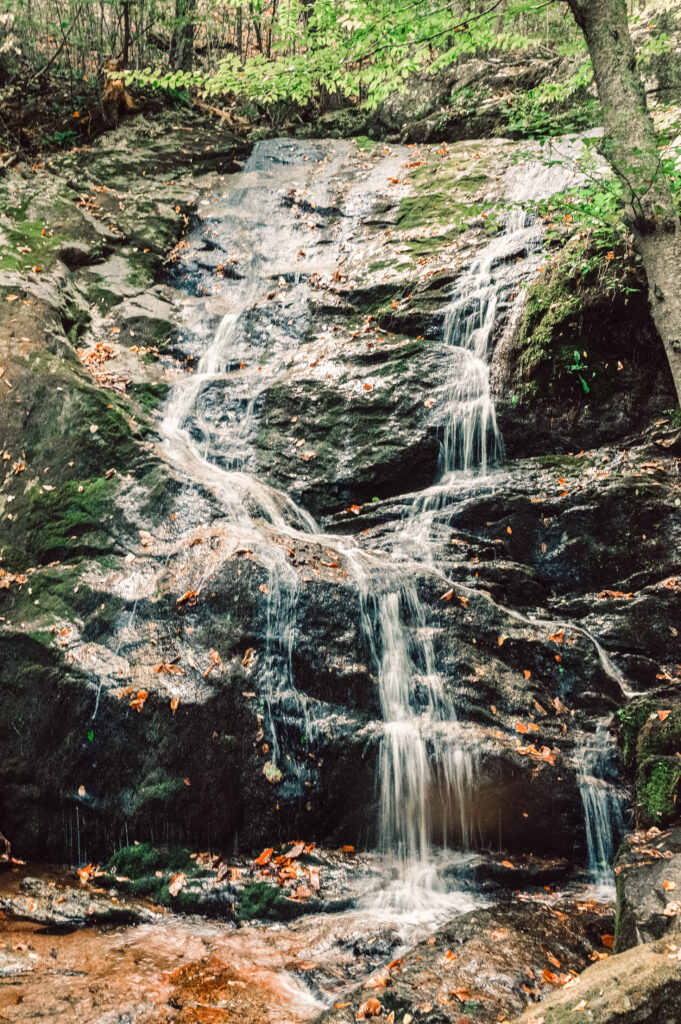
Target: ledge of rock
{"type": "Point", "coordinates": [640, 986]}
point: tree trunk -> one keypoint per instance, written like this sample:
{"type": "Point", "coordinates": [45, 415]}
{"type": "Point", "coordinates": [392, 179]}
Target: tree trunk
{"type": "Point", "coordinates": [255, 21]}
{"type": "Point", "coordinates": [126, 33]}
{"type": "Point", "coordinates": [239, 29]}
{"type": "Point", "coordinates": [499, 23]}
{"type": "Point", "coordinates": [182, 43]}
{"type": "Point", "coordinates": [631, 147]}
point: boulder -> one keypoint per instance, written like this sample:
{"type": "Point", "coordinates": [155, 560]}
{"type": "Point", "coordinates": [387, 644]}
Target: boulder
{"type": "Point", "coordinates": [639, 986]}
{"type": "Point", "coordinates": [650, 726]}
{"type": "Point", "coordinates": [648, 878]}
{"type": "Point", "coordinates": [64, 907]}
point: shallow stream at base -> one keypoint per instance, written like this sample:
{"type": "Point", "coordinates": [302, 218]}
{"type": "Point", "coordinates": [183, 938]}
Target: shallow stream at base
{"type": "Point", "coordinates": [206, 972]}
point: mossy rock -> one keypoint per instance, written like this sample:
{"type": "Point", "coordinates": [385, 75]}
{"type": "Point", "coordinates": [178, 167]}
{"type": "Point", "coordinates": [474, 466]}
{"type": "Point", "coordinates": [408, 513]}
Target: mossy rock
{"type": "Point", "coordinates": [140, 860]}
{"type": "Point", "coordinates": [650, 734]}
{"type": "Point", "coordinates": [584, 364]}
{"type": "Point", "coordinates": [75, 519]}
{"type": "Point", "coordinates": [265, 902]}
{"type": "Point", "coordinates": [577, 327]}
{"type": "Point", "coordinates": [657, 790]}
{"type": "Point", "coordinates": [631, 720]}
{"type": "Point", "coordinates": [146, 872]}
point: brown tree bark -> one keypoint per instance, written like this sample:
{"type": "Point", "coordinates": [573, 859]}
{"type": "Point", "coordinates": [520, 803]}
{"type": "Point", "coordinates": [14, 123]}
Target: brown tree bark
{"type": "Point", "coordinates": [631, 147]}
{"type": "Point", "coordinates": [239, 29]}
{"type": "Point", "coordinates": [126, 33]}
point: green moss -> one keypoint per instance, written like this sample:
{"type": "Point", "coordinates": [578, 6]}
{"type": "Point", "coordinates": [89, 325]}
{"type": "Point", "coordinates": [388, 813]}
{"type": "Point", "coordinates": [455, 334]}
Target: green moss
{"type": "Point", "coordinates": [160, 495]}
{"type": "Point", "coordinates": [150, 887]}
{"type": "Point", "coordinates": [43, 636]}
{"type": "Point", "coordinates": [27, 234]}
{"type": "Point", "coordinates": [64, 521]}
{"type": "Point", "coordinates": [149, 396]}
{"type": "Point", "coordinates": [159, 795]}
{"type": "Point", "coordinates": [426, 245]}
{"type": "Point", "coordinates": [53, 592]}
{"type": "Point", "coordinates": [661, 737]}
{"type": "Point", "coordinates": [439, 208]}
{"type": "Point", "coordinates": [578, 326]}
{"type": "Point", "coordinates": [156, 889]}
{"type": "Point", "coordinates": [265, 902]}
{"type": "Point", "coordinates": [657, 785]}
{"type": "Point", "coordinates": [548, 322]}
{"type": "Point", "coordinates": [73, 413]}
{"type": "Point", "coordinates": [631, 720]}
{"type": "Point", "coordinates": [142, 859]}
{"type": "Point", "coordinates": [364, 142]}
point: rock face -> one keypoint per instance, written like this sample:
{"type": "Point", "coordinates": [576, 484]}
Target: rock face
{"type": "Point", "coordinates": [641, 986]}
{"type": "Point", "coordinates": [192, 657]}
{"type": "Point", "coordinates": [650, 730]}
{"type": "Point", "coordinates": [579, 368]}
{"type": "Point", "coordinates": [648, 876]}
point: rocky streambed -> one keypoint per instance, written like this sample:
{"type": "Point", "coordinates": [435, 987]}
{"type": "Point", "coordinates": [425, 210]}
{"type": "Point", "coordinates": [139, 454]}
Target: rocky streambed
{"type": "Point", "coordinates": [245, 600]}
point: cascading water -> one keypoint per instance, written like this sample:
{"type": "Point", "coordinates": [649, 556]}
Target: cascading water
{"type": "Point", "coordinates": [602, 802]}
{"type": "Point", "coordinates": [471, 440]}
{"type": "Point", "coordinates": [426, 767]}
{"type": "Point", "coordinates": [424, 770]}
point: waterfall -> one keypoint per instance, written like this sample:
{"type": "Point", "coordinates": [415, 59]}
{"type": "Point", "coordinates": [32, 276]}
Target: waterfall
{"type": "Point", "coordinates": [471, 440]}
{"type": "Point", "coordinates": [426, 767]}
{"type": "Point", "coordinates": [602, 803]}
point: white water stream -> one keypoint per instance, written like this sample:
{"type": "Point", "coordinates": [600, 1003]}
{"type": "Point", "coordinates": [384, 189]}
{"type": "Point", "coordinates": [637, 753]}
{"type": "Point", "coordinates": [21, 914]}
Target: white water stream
{"type": "Point", "coordinates": [426, 766]}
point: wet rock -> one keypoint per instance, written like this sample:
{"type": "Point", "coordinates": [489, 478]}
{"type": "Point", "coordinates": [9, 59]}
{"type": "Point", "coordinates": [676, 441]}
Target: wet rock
{"type": "Point", "coordinates": [520, 872]}
{"type": "Point", "coordinates": [648, 877]}
{"type": "Point", "coordinates": [76, 254]}
{"type": "Point", "coordinates": [281, 887]}
{"type": "Point", "coordinates": [650, 730]}
{"type": "Point", "coordinates": [487, 964]}
{"type": "Point", "coordinates": [640, 986]}
{"type": "Point", "coordinates": [163, 141]}
{"type": "Point", "coordinates": [64, 907]}
{"type": "Point", "coordinates": [330, 394]}
{"type": "Point", "coordinates": [14, 963]}
{"type": "Point", "coordinates": [5, 849]}
{"type": "Point", "coordinates": [551, 400]}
